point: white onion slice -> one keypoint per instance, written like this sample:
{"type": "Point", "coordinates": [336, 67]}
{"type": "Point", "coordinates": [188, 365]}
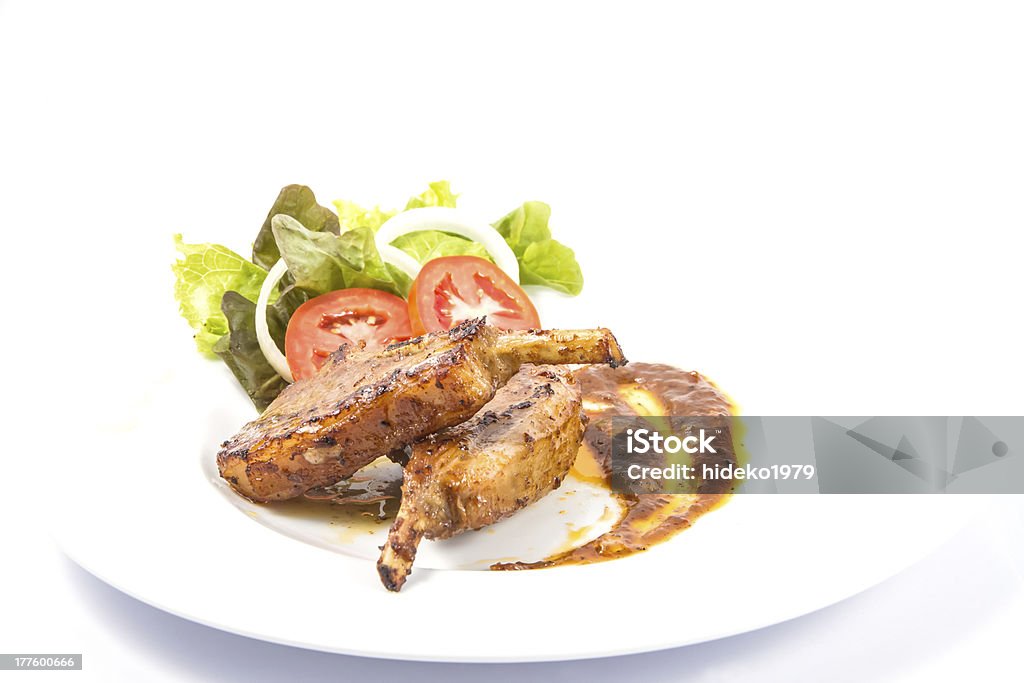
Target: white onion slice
{"type": "Point", "coordinates": [273, 354]}
{"type": "Point", "coordinates": [396, 257]}
{"type": "Point", "coordinates": [442, 218]}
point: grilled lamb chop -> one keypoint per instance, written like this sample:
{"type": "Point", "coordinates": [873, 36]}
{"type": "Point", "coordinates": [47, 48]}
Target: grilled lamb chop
{"type": "Point", "coordinates": [510, 454]}
{"type": "Point", "coordinates": [363, 404]}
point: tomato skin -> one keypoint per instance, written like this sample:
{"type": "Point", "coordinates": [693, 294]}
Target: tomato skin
{"type": "Point", "coordinates": [451, 289]}
{"type": "Point", "coordinates": [346, 316]}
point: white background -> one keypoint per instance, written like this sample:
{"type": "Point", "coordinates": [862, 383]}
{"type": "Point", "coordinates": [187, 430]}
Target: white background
{"type": "Point", "coordinates": [818, 203]}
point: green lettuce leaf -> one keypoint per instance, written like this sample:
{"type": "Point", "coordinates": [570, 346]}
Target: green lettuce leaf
{"type": "Point", "coordinates": [542, 260]}
{"type": "Point", "coordinates": [240, 350]}
{"type": "Point", "coordinates": [320, 262]}
{"type": "Point", "coordinates": [550, 263]}
{"type": "Point", "coordinates": [203, 275]}
{"type": "Point", "coordinates": [525, 225]}
{"type": "Point", "coordinates": [428, 244]}
{"type": "Point", "coordinates": [352, 216]}
{"type": "Point", "coordinates": [438, 193]}
{"type": "Point", "coordinates": [299, 202]}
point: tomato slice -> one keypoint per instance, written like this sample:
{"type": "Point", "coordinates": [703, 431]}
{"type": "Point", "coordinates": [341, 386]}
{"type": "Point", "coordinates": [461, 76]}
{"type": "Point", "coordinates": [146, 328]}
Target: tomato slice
{"type": "Point", "coordinates": [346, 316]}
{"type": "Point", "coordinates": [451, 289]}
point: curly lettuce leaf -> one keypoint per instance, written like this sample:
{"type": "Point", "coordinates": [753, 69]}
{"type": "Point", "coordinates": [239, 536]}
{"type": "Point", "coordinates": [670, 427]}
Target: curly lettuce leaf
{"type": "Point", "coordinates": [240, 349]}
{"type": "Point", "coordinates": [524, 225]}
{"type": "Point", "coordinates": [299, 202]}
{"type": "Point", "coordinates": [320, 262]}
{"type": "Point", "coordinates": [430, 244]}
{"type": "Point", "coordinates": [549, 263]}
{"type": "Point", "coordinates": [352, 216]}
{"type": "Point", "coordinates": [438, 193]}
{"type": "Point", "coordinates": [203, 275]}
{"type": "Point", "coordinates": [542, 260]}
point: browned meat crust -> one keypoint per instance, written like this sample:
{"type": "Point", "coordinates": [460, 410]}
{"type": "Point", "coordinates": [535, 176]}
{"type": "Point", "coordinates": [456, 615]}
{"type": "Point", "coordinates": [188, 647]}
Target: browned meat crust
{"type": "Point", "coordinates": [510, 454]}
{"type": "Point", "coordinates": [362, 405]}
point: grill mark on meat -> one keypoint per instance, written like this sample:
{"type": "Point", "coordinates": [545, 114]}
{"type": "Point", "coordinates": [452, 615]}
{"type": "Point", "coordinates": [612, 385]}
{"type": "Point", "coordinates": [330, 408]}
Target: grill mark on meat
{"type": "Point", "coordinates": [471, 475]}
{"type": "Point", "coordinates": [362, 405]}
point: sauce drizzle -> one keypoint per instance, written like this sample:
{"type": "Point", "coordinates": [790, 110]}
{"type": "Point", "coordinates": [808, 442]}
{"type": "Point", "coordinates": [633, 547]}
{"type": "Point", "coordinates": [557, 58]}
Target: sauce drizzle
{"type": "Point", "coordinates": [646, 519]}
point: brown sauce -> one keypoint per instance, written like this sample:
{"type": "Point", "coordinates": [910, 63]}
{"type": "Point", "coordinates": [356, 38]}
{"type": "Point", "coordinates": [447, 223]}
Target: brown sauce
{"type": "Point", "coordinates": [646, 519]}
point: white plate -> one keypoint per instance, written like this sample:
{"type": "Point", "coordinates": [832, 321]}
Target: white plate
{"type": "Point", "coordinates": [150, 517]}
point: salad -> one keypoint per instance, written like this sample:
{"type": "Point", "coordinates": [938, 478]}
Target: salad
{"type": "Point", "coordinates": [320, 278]}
